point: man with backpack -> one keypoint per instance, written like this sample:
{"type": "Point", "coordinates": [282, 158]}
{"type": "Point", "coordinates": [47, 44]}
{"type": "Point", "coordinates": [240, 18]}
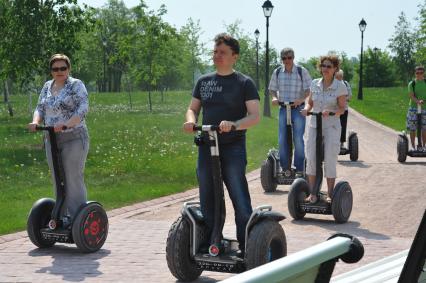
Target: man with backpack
{"type": "Point", "coordinates": [290, 83]}
{"type": "Point", "coordinates": [417, 94]}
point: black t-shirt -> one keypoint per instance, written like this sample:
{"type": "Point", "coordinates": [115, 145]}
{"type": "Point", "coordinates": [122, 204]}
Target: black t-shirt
{"type": "Point", "coordinates": [224, 98]}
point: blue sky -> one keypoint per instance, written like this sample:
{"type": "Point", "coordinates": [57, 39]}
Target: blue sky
{"type": "Point", "coordinates": [310, 27]}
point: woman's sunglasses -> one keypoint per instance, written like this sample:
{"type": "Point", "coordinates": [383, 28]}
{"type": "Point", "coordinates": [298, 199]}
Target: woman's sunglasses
{"type": "Point", "coordinates": [326, 66]}
{"type": "Point", "coordinates": [57, 69]}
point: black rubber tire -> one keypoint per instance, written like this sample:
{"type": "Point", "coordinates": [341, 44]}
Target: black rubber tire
{"type": "Point", "coordinates": [402, 149]}
{"type": "Point", "coordinates": [353, 148]}
{"type": "Point", "coordinates": [178, 256]}
{"type": "Point", "coordinates": [341, 202]}
{"type": "Point", "coordinates": [299, 190]}
{"type": "Point", "coordinates": [90, 228]}
{"type": "Point", "coordinates": [356, 250]}
{"type": "Point", "coordinates": [38, 218]}
{"type": "Point", "coordinates": [267, 179]}
{"type": "Point", "coordinates": [266, 242]}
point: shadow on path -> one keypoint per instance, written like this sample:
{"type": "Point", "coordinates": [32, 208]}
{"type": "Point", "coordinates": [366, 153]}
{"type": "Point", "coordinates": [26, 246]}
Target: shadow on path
{"type": "Point", "coordinates": [351, 227]}
{"type": "Point", "coordinates": [70, 263]}
{"type": "Point", "coordinates": [359, 164]}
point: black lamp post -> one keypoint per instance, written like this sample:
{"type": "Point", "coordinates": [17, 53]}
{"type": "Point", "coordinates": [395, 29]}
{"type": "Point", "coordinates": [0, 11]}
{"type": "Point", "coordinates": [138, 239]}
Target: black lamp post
{"type": "Point", "coordinates": [362, 26]}
{"type": "Point", "coordinates": [256, 35]}
{"type": "Point", "coordinates": [376, 65]}
{"type": "Point", "coordinates": [104, 43]}
{"type": "Point", "coordinates": [267, 11]}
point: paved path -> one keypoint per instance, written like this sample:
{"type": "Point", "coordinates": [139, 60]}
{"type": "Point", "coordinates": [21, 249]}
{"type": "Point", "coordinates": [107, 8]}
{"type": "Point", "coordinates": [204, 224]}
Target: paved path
{"type": "Point", "coordinates": [388, 203]}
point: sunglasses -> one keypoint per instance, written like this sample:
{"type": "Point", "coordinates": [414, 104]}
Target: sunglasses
{"type": "Point", "coordinates": [326, 66]}
{"type": "Point", "coordinates": [57, 69]}
{"type": "Point", "coordinates": [287, 58]}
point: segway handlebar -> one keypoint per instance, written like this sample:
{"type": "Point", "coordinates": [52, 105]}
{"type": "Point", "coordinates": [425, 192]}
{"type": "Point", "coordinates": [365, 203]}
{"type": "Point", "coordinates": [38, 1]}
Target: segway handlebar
{"type": "Point", "coordinates": [320, 113]}
{"type": "Point", "coordinates": [285, 103]}
{"type": "Point", "coordinates": [48, 128]}
{"type": "Point", "coordinates": [206, 128]}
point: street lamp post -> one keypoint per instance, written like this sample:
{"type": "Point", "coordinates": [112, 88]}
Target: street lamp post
{"type": "Point", "coordinates": [267, 11]}
{"type": "Point", "coordinates": [256, 35]}
{"type": "Point", "coordinates": [376, 64]}
{"type": "Point", "coordinates": [362, 26]}
{"type": "Point", "coordinates": [104, 43]}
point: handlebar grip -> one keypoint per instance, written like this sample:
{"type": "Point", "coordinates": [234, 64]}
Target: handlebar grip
{"type": "Point", "coordinates": [49, 128]}
{"type": "Point", "coordinates": [206, 128]}
{"type": "Point", "coordinates": [320, 113]}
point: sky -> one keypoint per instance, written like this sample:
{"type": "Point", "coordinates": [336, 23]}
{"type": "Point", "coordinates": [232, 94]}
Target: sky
{"type": "Point", "coordinates": [310, 27]}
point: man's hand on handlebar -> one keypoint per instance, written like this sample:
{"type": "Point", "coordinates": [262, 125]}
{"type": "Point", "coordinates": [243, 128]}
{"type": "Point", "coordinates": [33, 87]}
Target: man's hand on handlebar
{"type": "Point", "coordinates": [188, 127]}
{"type": "Point", "coordinates": [32, 126]}
{"type": "Point", "coordinates": [227, 126]}
{"type": "Point", "coordinates": [275, 101]}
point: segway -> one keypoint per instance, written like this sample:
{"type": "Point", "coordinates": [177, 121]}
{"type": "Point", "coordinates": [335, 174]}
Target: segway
{"type": "Point", "coordinates": [270, 171]}
{"type": "Point", "coordinates": [341, 199]}
{"type": "Point", "coordinates": [45, 226]}
{"type": "Point", "coordinates": [352, 148]}
{"type": "Point", "coordinates": [186, 251]}
{"type": "Point", "coordinates": [402, 144]}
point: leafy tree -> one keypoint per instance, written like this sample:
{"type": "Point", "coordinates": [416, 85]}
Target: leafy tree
{"type": "Point", "coordinates": [402, 45]}
{"type": "Point", "coordinates": [379, 69]}
{"type": "Point", "coordinates": [421, 36]}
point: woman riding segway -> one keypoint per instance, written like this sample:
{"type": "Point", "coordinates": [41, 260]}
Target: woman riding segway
{"type": "Point", "coordinates": [327, 102]}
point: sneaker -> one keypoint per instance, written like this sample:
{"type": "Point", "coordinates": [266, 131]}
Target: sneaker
{"type": "Point", "coordinates": [299, 174]}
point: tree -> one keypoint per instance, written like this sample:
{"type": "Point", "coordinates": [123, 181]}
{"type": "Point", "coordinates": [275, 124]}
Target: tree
{"type": "Point", "coordinates": [191, 33]}
{"type": "Point", "coordinates": [402, 45]}
{"type": "Point", "coordinates": [31, 32]}
{"type": "Point", "coordinates": [379, 69]}
{"type": "Point", "coordinates": [421, 36]}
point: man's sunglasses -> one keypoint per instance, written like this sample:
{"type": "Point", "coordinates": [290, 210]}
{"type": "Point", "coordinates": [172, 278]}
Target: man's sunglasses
{"type": "Point", "coordinates": [420, 72]}
{"type": "Point", "coordinates": [287, 58]}
{"type": "Point", "coordinates": [326, 66]}
{"type": "Point", "coordinates": [57, 69]}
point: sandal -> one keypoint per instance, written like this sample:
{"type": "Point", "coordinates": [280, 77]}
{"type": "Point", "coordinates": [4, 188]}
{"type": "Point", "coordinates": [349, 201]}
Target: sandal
{"type": "Point", "coordinates": [311, 199]}
{"type": "Point", "coordinates": [328, 199]}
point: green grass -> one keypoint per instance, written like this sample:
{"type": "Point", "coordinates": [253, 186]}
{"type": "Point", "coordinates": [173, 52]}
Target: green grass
{"type": "Point", "coordinates": [387, 106]}
{"type": "Point", "coordinates": [134, 155]}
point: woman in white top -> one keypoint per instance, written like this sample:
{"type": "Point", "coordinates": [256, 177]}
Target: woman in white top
{"type": "Point", "coordinates": [327, 95]}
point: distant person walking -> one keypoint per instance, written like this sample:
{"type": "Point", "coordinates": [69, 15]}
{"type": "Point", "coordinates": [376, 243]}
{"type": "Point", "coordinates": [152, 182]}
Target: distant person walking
{"type": "Point", "coordinates": [63, 101]}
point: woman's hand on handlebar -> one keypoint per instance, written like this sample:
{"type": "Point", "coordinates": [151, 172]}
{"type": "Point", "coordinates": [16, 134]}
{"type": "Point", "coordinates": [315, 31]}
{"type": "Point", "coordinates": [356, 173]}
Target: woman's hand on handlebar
{"type": "Point", "coordinates": [304, 112]}
{"type": "Point", "coordinates": [227, 126]}
{"type": "Point", "coordinates": [188, 127]}
{"type": "Point", "coordinates": [32, 126]}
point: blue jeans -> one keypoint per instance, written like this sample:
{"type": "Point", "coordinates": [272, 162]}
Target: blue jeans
{"type": "Point", "coordinates": [233, 164]}
{"type": "Point", "coordinates": [298, 125]}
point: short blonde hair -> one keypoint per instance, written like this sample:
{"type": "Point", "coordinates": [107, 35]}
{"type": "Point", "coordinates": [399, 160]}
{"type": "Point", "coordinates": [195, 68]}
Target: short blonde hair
{"type": "Point", "coordinates": [339, 73]}
{"type": "Point", "coordinates": [59, 57]}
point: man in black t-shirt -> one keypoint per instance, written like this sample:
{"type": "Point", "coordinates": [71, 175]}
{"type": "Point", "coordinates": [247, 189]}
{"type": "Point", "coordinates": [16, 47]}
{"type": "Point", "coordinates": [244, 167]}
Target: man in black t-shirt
{"type": "Point", "coordinates": [227, 98]}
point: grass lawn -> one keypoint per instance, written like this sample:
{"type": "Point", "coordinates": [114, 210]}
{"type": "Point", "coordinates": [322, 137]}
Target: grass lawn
{"type": "Point", "coordinates": [387, 106]}
{"type": "Point", "coordinates": [134, 155]}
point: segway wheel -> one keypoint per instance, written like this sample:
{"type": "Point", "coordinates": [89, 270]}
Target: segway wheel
{"type": "Point", "coordinates": [266, 242]}
{"type": "Point", "coordinates": [178, 256]}
{"type": "Point", "coordinates": [341, 202]}
{"type": "Point", "coordinates": [402, 149]}
{"type": "Point", "coordinates": [353, 147]}
{"type": "Point", "coordinates": [299, 190]}
{"type": "Point", "coordinates": [90, 228]}
{"type": "Point", "coordinates": [39, 218]}
{"type": "Point", "coordinates": [267, 179]}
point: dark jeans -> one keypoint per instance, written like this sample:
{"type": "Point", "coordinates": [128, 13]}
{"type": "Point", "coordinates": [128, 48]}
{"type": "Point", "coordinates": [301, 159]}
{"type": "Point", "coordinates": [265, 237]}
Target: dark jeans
{"type": "Point", "coordinates": [344, 123]}
{"type": "Point", "coordinates": [233, 163]}
{"type": "Point", "coordinates": [298, 124]}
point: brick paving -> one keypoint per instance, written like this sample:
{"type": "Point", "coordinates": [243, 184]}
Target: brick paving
{"type": "Point", "coordinates": [388, 204]}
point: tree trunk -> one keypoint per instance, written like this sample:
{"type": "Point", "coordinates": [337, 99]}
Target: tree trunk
{"type": "Point", "coordinates": [6, 97]}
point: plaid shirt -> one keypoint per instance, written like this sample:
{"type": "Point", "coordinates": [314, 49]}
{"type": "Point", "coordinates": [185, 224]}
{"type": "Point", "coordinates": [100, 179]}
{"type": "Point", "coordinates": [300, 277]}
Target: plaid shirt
{"type": "Point", "coordinates": [289, 85]}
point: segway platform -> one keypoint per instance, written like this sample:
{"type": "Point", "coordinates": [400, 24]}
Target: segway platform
{"type": "Point", "coordinates": [227, 262]}
{"type": "Point", "coordinates": [320, 207]}
{"type": "Point", "coordinates": [57, 235]}
{"type": "Point", "coordinates": [416, 153]}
